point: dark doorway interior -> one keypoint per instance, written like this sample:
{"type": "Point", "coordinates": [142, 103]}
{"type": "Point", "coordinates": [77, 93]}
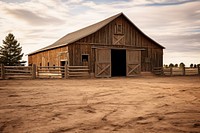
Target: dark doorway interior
{"type": "Point", "coordinates": [118, 60]}
{"type": "Point", "coordinates": [62, 63]}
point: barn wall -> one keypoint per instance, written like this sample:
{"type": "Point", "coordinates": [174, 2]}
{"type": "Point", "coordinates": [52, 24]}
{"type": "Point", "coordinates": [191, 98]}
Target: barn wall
{"type": "Point", "coordinates": [75, 55]}
{"type": "Point", "coordinates": [128, 37]}
{"type": "Point", "coordinates": [51, 57]}
{"type": "Point", "coordinates": [152, 55]}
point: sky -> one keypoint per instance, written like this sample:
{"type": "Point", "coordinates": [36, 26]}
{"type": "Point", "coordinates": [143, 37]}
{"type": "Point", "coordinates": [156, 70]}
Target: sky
{"type": "Point", "coordinates": [175, 24]}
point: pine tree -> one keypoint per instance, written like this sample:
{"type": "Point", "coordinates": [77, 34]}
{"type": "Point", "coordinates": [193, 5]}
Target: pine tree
{"type": "Point", "coordinates": [10, 52]}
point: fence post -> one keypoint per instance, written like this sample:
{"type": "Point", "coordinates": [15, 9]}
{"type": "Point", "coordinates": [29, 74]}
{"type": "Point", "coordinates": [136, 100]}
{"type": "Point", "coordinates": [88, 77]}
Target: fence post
{"type": "Point", "coordinates": [162, 71]}
{"type": "Point", "coordinates": [198, 69]}
{"type": "Point", "coordinates": [2, 71]}
{"type": "Point", "coordinates": [183, 70]}
{"type": "Point", "coordinates": [34, 71]}
{"type": "Point", "coordinates": [171, 71]}
{"type": "Point", "coordinates": [66, 71]}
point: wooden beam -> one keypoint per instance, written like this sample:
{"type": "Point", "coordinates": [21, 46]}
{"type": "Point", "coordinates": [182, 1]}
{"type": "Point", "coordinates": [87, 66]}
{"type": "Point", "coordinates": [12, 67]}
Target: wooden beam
{"type": "Point", "coordinates": [34, 71]}
{"type": "Point", "coordinates": [118, 39]}
{"type": "Point", "coordinates": [133, 69]}
{"type": "Point", "coordinates": [118, 47]}
{"type": "Point", "coordinates": [104, 69]}
{"type": "Point", "coordinates": [66, 71]}
{"type": "Point", "coordinates": [2, 71]}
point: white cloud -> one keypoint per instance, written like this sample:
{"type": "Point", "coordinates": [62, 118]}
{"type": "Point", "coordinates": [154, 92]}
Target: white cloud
{"type": "Point", "coordinates": [174, 24]}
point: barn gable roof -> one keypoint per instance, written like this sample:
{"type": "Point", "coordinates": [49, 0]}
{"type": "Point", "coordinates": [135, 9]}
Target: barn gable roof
{"type": "Point", "coordinates": [79, 34]}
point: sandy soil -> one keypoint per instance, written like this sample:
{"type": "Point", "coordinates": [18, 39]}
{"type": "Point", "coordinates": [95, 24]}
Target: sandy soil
{"type": "Point", "coordinates": [110, 105]}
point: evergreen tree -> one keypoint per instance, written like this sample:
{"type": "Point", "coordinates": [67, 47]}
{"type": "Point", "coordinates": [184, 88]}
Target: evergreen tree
{"type": "Point", "coordinates": [171, 65]}
{"type": "Point", "coordinates": [10, 52]}
{"type": "Point", "coordinates": [181, 65]}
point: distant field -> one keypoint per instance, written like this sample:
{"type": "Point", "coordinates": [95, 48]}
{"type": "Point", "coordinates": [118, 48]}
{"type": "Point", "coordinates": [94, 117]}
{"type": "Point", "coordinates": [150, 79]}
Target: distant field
{"type": "Point", "coordinates": [110, 105]}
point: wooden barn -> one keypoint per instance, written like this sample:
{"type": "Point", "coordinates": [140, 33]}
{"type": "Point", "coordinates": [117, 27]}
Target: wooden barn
{"type": "Point", "coordinates": [112, 47]}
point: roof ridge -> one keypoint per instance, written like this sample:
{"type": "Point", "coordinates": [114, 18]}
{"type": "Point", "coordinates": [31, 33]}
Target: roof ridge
{"type": "Point", "coordinates": [88, 30]}
{"type": "Point", "coordinates": [92, 28]}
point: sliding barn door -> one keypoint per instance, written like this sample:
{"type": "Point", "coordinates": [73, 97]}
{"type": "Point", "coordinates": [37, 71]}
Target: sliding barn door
{"type": "Point", "coordinates": [133, 62]}
{"type": "Point", "coordinates": [103, 63]}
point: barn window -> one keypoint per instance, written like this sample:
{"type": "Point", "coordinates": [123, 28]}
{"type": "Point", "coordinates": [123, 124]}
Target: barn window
{"type": "Point", "coordinates": [118, 28]}
{"type": "Point", "coordinates": [84, 57]}
{"type": "Point", "coordinates": [53, 66]}
{"type": "Point", "coordinates": [48, 65]}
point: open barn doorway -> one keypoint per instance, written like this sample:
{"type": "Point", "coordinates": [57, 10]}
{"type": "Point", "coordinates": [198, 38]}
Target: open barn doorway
{"type": "Point", "coordinates": [63, 63]}
{"type": "Point", "coordinates": [118, 62]}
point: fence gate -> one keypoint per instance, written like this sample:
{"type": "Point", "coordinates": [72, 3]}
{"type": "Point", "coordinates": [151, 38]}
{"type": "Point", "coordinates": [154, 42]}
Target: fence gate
{"type": "Point", "coordinates": [133, 62]}
{"type": "Point", "coordinates": [103, 62]}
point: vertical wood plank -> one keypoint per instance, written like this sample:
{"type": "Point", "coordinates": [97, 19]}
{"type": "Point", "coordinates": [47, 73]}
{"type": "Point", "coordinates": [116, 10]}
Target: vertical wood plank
{"type": "Point", "coordinates": [66, 71]}
{"type": "Point", "coordinates": [171, 71]}
{"type": "Point", "coordinates": [2, 71]}
{"type": "Point", "coordinates": [183, 70]}
{"type": "Point", "coordinates": [34, 71]}
{"type": "Point", "coordinates": [104, 36]}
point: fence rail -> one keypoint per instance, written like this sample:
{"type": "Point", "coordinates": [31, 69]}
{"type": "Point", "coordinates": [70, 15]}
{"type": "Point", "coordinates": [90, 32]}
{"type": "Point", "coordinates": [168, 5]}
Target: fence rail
{"type": "Point", "coordinates": [7, 72]}
{"type": "Point", "coordinates": [78, 71]}
{"type": "Point", "coordinates": [175, 71]}
{"type": "Point", "coordinates": [50, 72]}
{"type": "Point", "coordinates": [34, 72]}
{"type": "Point", "coordinates": [158, 70]}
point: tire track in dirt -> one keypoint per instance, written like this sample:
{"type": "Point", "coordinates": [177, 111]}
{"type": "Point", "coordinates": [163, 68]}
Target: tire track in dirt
{"type": "Point", "coordinates": [12, 123]}
{"type": "Point", "coordinates": [177, 124]}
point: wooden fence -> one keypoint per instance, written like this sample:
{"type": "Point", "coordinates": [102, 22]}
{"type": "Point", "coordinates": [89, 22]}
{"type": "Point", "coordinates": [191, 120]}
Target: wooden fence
{"type": "Point", "coordinates": [50, 72]}
{"type": "Point", "coordinates": [176, 71]}
{"type": "Point", "coordinates": [8, 72]}
{"type": "Point", "coordinates": [33, 72]}
{"type": "Point", "coordinates": [77, 71]}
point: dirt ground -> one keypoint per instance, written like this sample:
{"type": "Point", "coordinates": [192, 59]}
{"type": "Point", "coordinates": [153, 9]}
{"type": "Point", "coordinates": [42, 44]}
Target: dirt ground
{"type": "Point", "coordinates": [108, 105]}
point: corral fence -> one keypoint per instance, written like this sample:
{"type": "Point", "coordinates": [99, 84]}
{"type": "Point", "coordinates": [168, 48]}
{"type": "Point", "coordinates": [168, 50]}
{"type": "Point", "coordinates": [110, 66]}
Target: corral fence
{"type": "Point", "coordinates": [33, 72]}
{"type": "Point", "coordinates": [176, 71]}
{"type": "Point", "coordinates": [7, 72]}
{"type": "Point", "coordinates": [50, 72]}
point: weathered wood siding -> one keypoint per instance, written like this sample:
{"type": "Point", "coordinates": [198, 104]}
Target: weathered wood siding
{"type": "Point", "coordinates": [50, 57]}
{"type": "Point", "coordinates": [128, 36]}
{"type": "Point", "coordinates": [151, 56]}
